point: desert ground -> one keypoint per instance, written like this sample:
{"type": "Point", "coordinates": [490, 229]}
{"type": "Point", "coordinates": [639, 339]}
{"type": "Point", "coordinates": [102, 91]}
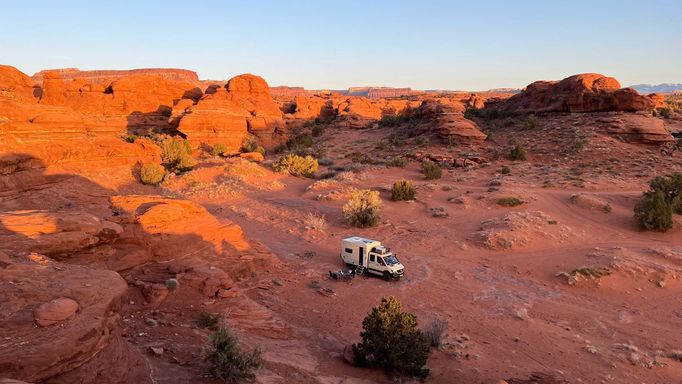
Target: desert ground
{"type": "Point", "coordinates": [255, 246]}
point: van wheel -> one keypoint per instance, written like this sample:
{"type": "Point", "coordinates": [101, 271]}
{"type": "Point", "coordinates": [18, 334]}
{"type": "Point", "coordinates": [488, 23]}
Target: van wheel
{"type": "Point", "coordinates": [387, 276]}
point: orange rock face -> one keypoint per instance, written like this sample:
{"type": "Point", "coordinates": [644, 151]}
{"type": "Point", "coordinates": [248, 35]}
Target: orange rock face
{"type": "Point", "coordinates": [588, 92]}
{"type": "Point", "coordinates": [227, 114]}
{"type": "Point", "coordinates": [446, 119]}
{"type": "Point", "coordinates": [14, 84]}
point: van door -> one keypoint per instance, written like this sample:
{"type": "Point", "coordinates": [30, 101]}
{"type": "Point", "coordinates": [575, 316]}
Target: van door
{"type": "Point", "coordinates": [362, 256]}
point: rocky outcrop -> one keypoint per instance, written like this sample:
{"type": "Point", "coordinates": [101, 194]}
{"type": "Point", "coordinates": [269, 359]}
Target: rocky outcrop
{"type": "Point", "coordinates": [136, 103]}
{"type": "Point", "coordinates": [634, 128]}
{"type": "Point", "coordinates": [589, 92]}
{"type": "Point", "coordinates": [226, 115]}
{"type": "Point", "coordinates": [57, 234]}
{"type": "Point", "coordinates": [446, 120]}
{"type": "Point", "coordinates": [105, 77]}
{"type": "Point", "coordinates": [15, 85]}
{"type": "Point", "coordinates": [83, 301]}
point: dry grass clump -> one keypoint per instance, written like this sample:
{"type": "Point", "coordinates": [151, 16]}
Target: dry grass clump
{"type": "Point", "coordinates": [509, 201]}
{"type": "Point", "coordinates": [431, 170]}
{"type": "Point", "coordinates": [434, 331]}
{"type": "Point", "coordinates": [175, 154]}
{"type": "Point", "coordinates": [315, 221]}
{"type": "Point", "coordinates": [585, 273]}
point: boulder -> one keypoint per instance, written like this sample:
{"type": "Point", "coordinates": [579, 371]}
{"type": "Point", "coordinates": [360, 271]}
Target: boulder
{"type": "Point", "coordinates": [588, 92]}
{"type": "Point", "coordinates": [55, 311]}
{"type": "Point", "coordinates": [35, 354]}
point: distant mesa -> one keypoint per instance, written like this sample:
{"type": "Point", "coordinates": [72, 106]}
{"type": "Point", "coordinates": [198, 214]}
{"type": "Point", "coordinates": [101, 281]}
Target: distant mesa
{"type": "Point", "coordinates": [107, 76]}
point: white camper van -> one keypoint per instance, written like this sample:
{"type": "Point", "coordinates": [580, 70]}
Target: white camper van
{"type": "Point", "coordinates": [369, 255]}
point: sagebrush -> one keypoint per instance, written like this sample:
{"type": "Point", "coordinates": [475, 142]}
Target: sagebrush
{"type": "Point", "coordinates": [296, 165]}
{"type": "Point", "coordinates": [431, 170]}
{"type": "Point", "coordinates": [403, 190]}
{"type": "Point", "coordinates": [363, 209]}
{"type": "Point", "coordinates": [152, 173]}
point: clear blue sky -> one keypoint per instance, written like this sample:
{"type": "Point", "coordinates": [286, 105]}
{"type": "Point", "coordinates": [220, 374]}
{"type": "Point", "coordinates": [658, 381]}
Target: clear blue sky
{"type": "Point", "coordinates": [335, 44]}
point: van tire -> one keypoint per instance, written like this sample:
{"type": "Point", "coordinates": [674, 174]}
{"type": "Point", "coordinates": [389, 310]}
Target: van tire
{"type": "Point", "coordinates": [387, 276]}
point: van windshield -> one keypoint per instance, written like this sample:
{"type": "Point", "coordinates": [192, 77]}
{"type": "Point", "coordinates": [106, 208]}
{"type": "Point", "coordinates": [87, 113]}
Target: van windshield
{"type": "Point", "coordinates": [391, 260]}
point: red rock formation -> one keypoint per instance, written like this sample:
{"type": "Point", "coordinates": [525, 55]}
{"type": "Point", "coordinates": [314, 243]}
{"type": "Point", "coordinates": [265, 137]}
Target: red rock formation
{"type": "Point", "coordinates": [134, 103]}
{"type": "Point", "coordinates": [446, 120]}
{"type": "Point", "coordinates": [105, 77]}
{"type": "Point", "coordinates": [226, 116]}
{"type": "Point", "coordinates": [15, 85]}
{"type": "Point", "coordinates": [635, 128]}
{"type": "Point", "coordinates": [588, 92]}
{"type": "Point", "coordinates": [39, 353]}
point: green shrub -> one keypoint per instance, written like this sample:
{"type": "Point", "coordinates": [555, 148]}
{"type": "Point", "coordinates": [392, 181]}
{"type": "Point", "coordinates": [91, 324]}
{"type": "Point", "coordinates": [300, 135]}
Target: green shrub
{"type": "Point", "coordinates": [654, 211]}
{"type": "Point", "coordinates": [208, 320]}
{"type": "Point", "coordinates": [509, 201]}
{"type": "Point", "coordinates": [518, 153]}
{"type": "Point", "coordinates": [393, 120]}
{"type": "Point", "coordinates": [318, 130]}
{"type": "Point", "coordinates": [398, 161]}
{"type": "Point", "coordinates": [296, 165]}
{"type": "Point", "coordinates": [431, 170]}
{"type": "Point", "coordinates": [363, 209]}
{"type": "Point", "coordinates": [228, 362]}
{"type": "Point", "coordinates": [299, 142]}
{"type": "Point", "coordinates": [218, 149]}
{"type": "Point", "coordinates": [175, 153]}
{"type": "Point", "coordinates": [131, 138]}
{"type": "Point", "coordinates": [249, 144]}
{"type": "Point", "coordinates": [403, 190]}
{"type": "Point", "coordinates": [665, 112]}
{"type": "Point", "coordinates": [505, 170]}
{"type": "Point", "coordinates": [152, 173]}
{"type": "Point", "coordinates": [392, 341]}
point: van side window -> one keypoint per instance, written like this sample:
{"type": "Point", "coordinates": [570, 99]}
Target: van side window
{"type": "Point", "coordinates": [348, 250]}
{"type": "Point", "coordinates": [371, 258]}
{"type": "Point", "coordinates": [381, 261]}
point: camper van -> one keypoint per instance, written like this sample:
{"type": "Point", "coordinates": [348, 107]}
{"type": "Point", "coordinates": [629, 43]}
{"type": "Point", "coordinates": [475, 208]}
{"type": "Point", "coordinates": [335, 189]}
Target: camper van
{"type": "Point", "coordinates": [370, 256]}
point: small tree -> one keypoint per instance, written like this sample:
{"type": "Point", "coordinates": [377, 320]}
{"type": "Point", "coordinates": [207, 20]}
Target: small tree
{"type": "Point", "coordinates": [403, 190]}
{"type": "Point", "coordinates": [654, 211]}
{"type": "Point", "coordinates": [431, 170]}
{"type": "Point", "coordinates": [228, 362]}
{"type": "Point", "coordinates": [363, 209]}
{"type": "Point", "coordinates": [152, 173]}
{"type": "Point", "coordinates": [518, 153]}
{"type": "Point", "coordinates": [391, 340]}
{"type": "Point", "coordinates": [296, 165]}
